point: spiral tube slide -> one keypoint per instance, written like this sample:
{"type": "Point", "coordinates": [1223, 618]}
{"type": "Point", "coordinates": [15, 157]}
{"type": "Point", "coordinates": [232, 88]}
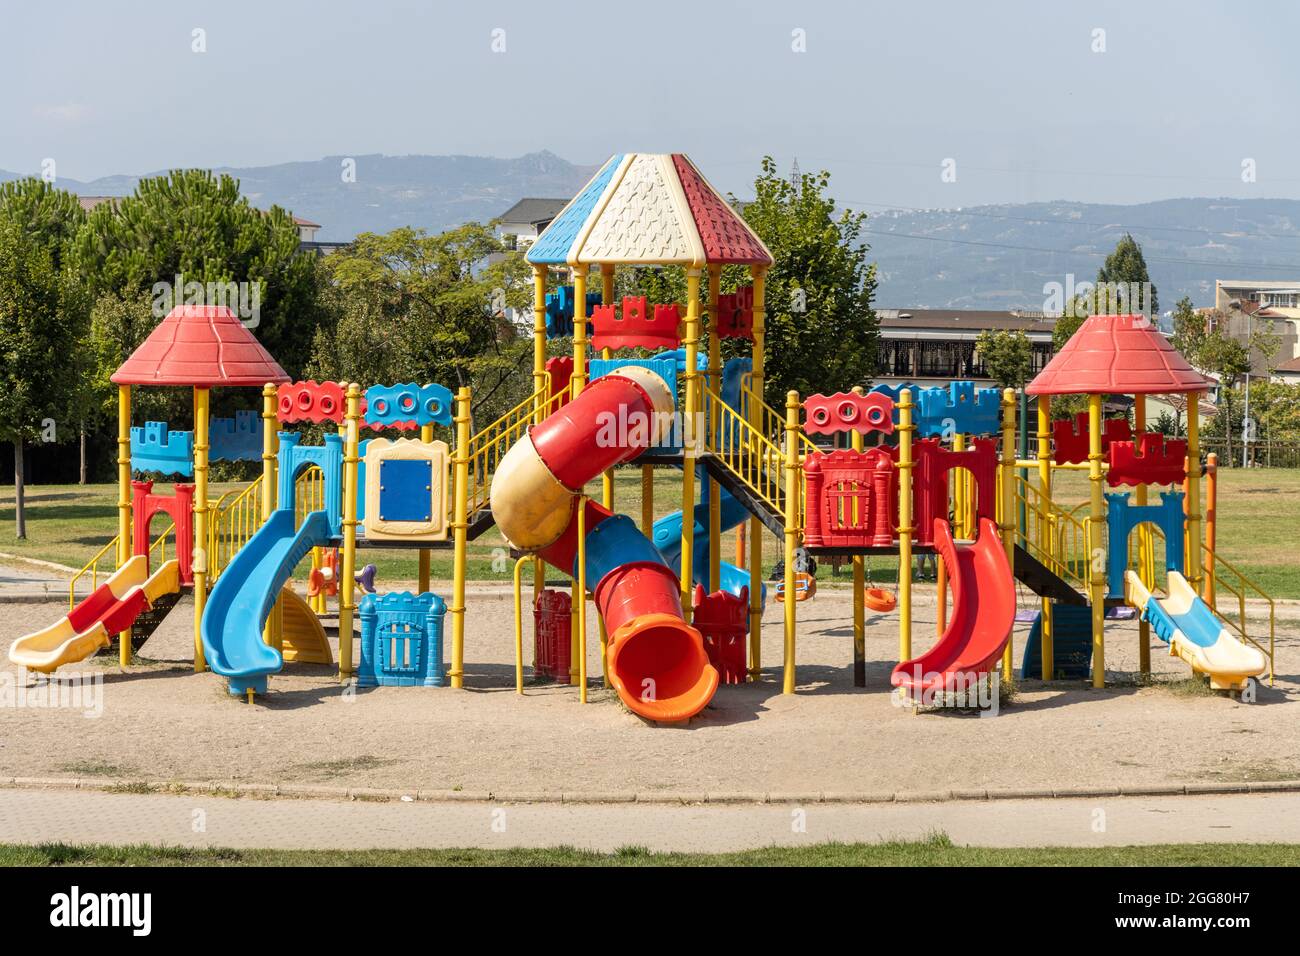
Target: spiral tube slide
{"type": "Point", "coordinates": [656, 661]}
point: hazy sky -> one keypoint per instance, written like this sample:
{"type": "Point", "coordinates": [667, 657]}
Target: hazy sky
{"type": "Point", "coordinates": [1014, 92]}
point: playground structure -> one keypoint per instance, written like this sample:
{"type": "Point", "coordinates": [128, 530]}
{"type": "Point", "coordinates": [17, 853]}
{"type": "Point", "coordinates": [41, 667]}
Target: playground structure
{"type": "Point", "coordinates": [944, 475]}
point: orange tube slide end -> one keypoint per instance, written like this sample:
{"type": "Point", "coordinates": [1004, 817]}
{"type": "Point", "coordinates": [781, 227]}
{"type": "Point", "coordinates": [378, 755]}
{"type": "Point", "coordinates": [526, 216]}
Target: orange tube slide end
{"type": "Point", "coordinates": [659, 667]}
{"type": "Point", "coordinates": [657, 661]}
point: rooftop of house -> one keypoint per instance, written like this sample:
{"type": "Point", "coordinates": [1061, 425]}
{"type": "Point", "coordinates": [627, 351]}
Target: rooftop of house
{"type": "Point", "coordinates": [1290, 366]}
{"type": "Point", "coordinates": [966, 320]}
{"type": "Point", "coordinates": [534, 211]}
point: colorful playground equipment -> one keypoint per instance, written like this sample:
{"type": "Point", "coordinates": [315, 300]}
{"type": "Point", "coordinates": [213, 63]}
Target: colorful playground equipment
{"type": "Point", "coordinates": [901, 472]}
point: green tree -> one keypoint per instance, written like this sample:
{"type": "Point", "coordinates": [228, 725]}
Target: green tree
{"type": "Point", "coordinates": [821, 329]}
{"type": "Point", "coordinates": [1189, 329]}
{"type": "Point", "coordinates": [195, 227]}
{"type": "Point", "coordinates": [413, 307]}
{"type": "Point", "coordinates": [1007, 356]}
{"type": "Point", "coordinates": [1125, 269]}
{"type": "Point", "coordinates": [1228, 360]}
{"type": "Point", "coordinates": [42, 316]}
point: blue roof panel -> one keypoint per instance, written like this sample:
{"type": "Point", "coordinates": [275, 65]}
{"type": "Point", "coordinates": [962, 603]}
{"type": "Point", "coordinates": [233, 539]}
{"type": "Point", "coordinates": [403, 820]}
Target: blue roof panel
{"type": "Point", "coordinates": [552, 246]}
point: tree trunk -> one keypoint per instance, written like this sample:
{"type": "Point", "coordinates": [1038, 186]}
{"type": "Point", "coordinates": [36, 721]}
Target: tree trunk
{"type": "Point", "coordinates": [82, 428]}
{"type": "Point", "coordinates": [20, 505]}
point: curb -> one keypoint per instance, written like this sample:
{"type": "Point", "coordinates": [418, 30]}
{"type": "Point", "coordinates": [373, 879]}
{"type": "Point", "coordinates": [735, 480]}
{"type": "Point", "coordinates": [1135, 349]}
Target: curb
{"type": "Point", "coordinates": [680, 798]}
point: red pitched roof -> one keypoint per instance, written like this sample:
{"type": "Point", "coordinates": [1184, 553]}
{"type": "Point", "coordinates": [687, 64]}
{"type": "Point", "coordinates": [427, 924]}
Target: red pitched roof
{"type": "Point", "coordinates": [1117, 355]}
{"type": "Point", "coordinates": [726, 237]}
{"type": "Point", "coordinates": [203, 346]}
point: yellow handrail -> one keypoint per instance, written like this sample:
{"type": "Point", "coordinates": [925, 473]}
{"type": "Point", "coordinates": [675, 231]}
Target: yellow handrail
{"type": "Point", "coordinates": [1053, 536]}
{"type": "Point", "coordinates": [771, 423]}
{"type": "Point", "coordinates": [91, 567]}
{"type": "Point", "coordinates": [488, 446]}
{"type": "Point", "coordinates": [308, 493]}
{"type": "Point", "coordinates": [749, 454]}
{"type": "Point", "coordinates": [236, 516]}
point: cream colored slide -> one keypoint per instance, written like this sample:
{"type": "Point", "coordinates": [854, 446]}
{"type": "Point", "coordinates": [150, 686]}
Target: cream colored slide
{"type": "Point", "coordinates": [1195, 633]}
{"type": "Point", "coordinates": [110, 609]}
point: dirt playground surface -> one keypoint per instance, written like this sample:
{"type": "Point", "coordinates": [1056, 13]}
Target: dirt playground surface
{"type": "Point", "coordinates": [161, 721]}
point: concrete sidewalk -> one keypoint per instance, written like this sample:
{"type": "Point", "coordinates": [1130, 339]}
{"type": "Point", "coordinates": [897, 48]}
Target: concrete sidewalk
{"type": "Point", "coordinates": [34, 816]}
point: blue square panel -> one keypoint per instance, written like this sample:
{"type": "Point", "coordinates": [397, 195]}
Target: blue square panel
{"type": "Point", "coordinates": [405, 490]}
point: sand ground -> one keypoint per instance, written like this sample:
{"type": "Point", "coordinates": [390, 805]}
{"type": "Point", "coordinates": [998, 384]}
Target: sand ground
{"type": "Point", "coordinates": [160, 721]}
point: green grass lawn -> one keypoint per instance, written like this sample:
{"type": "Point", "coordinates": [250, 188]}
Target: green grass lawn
{"type": "Point", "coordinates": [936, 851]}
{"type": "Point", "coordinates": [1258, 524]}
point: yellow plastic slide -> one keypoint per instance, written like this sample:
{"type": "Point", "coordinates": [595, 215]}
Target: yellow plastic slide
{"type": "Point", "coordinates": [1195, 633]}
{"type": "Point", "coordinates": [110, 609]}
{"type": "Point", "coordinates": [304, 637]}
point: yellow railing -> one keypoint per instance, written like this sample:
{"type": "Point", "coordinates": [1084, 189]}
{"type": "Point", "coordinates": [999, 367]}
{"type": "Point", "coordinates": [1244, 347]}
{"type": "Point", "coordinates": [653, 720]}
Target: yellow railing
{"type": "Point", "coordinates": [157, 553]}
{"type": "Point", "coordinates": [308, 493]}
{"type": "Point", "coordinates": [233, 519]}
{"type": "Point", "coordinates": [771, 422]}
{"type": "Point", "coordinates": [1055, 537]}
{"type": "Point", "coordinates": [749, 454]}
{"type": "Point", "coordinates": [488, 446]}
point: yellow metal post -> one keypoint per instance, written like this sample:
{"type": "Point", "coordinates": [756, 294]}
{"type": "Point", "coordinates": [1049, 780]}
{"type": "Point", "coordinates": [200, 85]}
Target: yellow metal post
{"type": "Point", "coordinates": [579, 380]}
{"type": "Point", "coordinates": [648, 501]}
{"type": "Point", "coordinates": [792, 474]}
{"type": "Point", "coordinates": [1193, 492]}
{"type": "Point", "coordinates": [690, 340]}
{"type": "Point", "coordinates": [1008, 508]}
{"type": "Point", "coordinates": [859, 591]}
{"type": "Point", "coordinates": [200, 521]}
{"type": "Point", "coordinates": [347, 573]}
{"type": "Point", "coordinates": [1146, 544]}
{"type": "Point", "coordinates": [460, 532]}
{"type": "Point", "coordinates": [754, 412]}
{"type": "Point", "coordinates": [1096, 544]}
{"type": "Point", "coordinates": [1045, 518]}
{"type": "Point", "coordinates": [581, 588]}
{"type": "Point", "coordinates": [607, 479]}
{"type": "Point", "coordinates": [540, 389]}
{"type": "Point", "coordinates": [958, 482]}
{"type": "Point", "coordinates": [1211, 523]}
{"type": "Point", "coordinates": [519, 624]}
{"type": "Point", "coordinates": [905, 529]}
{"type": "Point", "coordinates": [274, 632]}
{"type": "Point", "coordinates": [124, 503]}
{"type": "Point", "coordinates": [715, 385]}
{"type": "Point", "coordinates": [426, 556]}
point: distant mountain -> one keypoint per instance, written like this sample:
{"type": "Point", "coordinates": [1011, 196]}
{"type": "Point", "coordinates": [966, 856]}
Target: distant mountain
{"type": "Point", "coordinates": [982, 257]}
{"type": "Point", "coordinates": [1000, 257]}
{"type": "Point", "coordinates": [433, 192]}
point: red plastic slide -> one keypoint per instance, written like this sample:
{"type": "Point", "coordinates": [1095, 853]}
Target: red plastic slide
{"type": "Point", "coordinates": [983, 611]}
{"type": "Point", "coordinates": [657, 662]}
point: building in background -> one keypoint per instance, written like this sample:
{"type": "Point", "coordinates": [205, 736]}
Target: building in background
{"type": "Point", "coordinates": [1243, 308]}
{"type": "Point", "coordinates": [937, 346]}
{"type": "Point", "coordinates": [522, 223]}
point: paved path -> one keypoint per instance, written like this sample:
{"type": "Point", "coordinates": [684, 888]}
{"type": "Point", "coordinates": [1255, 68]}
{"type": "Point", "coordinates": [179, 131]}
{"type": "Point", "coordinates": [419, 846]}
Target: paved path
{"type": "Point", "coordinates": [33, 816]}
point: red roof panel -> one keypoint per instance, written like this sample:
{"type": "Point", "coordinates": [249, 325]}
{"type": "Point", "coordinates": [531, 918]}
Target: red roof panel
{"type": "Point", "coordinates": [727, 238]}
{"type": "Point", "coordinates": [204, 346]}
{"type": "Point", "coordinates": [1117, 355]}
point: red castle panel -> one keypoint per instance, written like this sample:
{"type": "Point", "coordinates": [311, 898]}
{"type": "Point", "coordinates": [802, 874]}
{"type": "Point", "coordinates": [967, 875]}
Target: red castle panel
{"type": "Point", "coordinates": [722, 620]}
{"type": "Point", "coordinates": [635, 329]}
{"type": "Point", "coordinates": [1117, 355]}
{"type": "Point", "coordinates": [845, 411]}
{"type": "Point", "coordinates": [560, 369]}
{"type": "Point", "coordinates": [200, 346]}
{"type": "Point", "coordinates": [735, 318]}
{"type": "Point", "coordinates": [1071, 437]}
{"type": "Point", "coordinates": [726, 237]}
{"type": "Point", "coordinates": [1152, 460]}
{"type": "Point", "coordinates": [850, 497]}
{"type": "Point", "coordinates": [314, 402]}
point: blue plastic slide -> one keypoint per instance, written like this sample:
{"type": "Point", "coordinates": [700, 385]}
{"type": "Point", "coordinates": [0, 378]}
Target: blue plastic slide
{"type": "Point", "coordinates": [668, 539]}
{"type": "Point", "coordinates": [244, 594]}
